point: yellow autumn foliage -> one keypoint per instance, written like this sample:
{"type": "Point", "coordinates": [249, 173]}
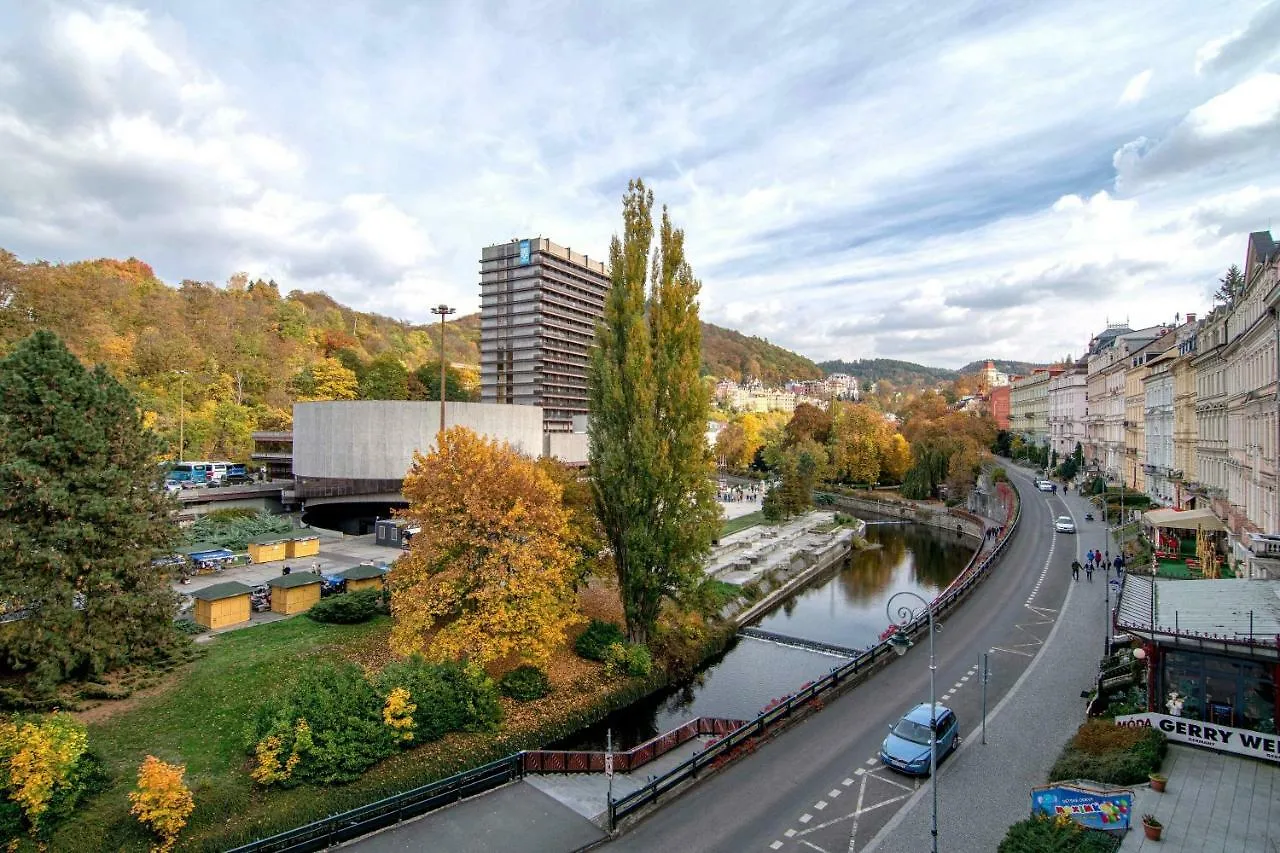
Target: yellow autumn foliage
{"type": "Point", "coordinates": [491, 573]}
{"type": "Point", "coordinates": [397, 713]}
{"type": "Point", "coordinates": [162, 801]}
{"type": "Point", "coordinates": [36, 758]}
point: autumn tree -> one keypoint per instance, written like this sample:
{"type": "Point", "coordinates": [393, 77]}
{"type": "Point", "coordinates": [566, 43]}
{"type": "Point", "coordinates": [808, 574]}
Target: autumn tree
{"type": "Point", "coordinates": [424, 384]}
{"type": "Point", "coordinates": [731, 445]}
{"type": "Point", "coordinates": [808, 422]}
{"type": "Point", "coordinates": [492, 575]}
{"type": "Point", "coordinates": [162, 801]}
{"type": "Point", "coordinates": [584, 536]}
{"type": "Point", "coordinates": [649, 459]}
{"type": "Point", "coordinates": [327, 379]}
{"type": "Point", "coordinates": [40, 761]}
{"type": "Point", "coordinates": [82, 516]}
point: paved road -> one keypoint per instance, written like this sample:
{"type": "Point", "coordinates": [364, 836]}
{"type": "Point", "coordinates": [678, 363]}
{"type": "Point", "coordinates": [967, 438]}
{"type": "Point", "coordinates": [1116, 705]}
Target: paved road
{"type": "Point", "coordinates": [819, 785]}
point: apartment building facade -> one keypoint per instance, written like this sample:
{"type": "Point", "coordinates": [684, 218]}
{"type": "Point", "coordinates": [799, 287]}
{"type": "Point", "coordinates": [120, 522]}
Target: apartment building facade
{"type": "Point", "coordinates": [1210, 483]}
{"type": "Point", "coordinates": [1104, 397]}
{"type": "Point", "coordinates": [1029, 405]}
{"type": "Point", "coordinates": [1068, 408]}
{"type": "Point", "coordinates": [539, 304]}
{"type": "Point", "coordinates": [1135, 432]}
{"type": "Point", "coordinates": [1158, 428]}
{"type": "Point", "coordinates": [1184, 411]}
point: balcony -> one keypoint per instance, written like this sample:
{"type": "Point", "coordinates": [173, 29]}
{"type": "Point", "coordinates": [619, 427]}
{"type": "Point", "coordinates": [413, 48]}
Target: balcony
{"type": "Point", "coordinates": [1263, 545]}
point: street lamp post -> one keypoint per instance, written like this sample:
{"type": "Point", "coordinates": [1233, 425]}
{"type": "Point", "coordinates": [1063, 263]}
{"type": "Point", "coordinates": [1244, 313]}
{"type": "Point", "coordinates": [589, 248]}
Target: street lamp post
{"type": "Point", "coordinates": [444, 311]}
{"type": "Point", "coordinates": [900, 642]}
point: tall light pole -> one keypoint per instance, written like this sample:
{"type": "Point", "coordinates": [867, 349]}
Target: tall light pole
{"type": "Point", "coordinates": [900, 642]}
{"type": "Point", "coordinates": [182, 410]}
{"type": "Point", "coordinates": [444, 311]}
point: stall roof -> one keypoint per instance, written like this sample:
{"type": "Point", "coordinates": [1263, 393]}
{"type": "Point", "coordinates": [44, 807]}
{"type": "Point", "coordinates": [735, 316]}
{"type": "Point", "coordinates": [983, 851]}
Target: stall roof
{"type": "Point", "coordinates": [362, 572]}
{"type": "Point", "coordinates": [1191, 519]}
{"type": "Point", "coordinates": [197, 548]}
{"type": "Point", "coordinates": [1220, 609]}
{"type": "Point", "coordinates": [295, 579]}
{"type": "Point", "coordinates": [271, 538]}
{"type": "Point", "coordinates": [219, 591]}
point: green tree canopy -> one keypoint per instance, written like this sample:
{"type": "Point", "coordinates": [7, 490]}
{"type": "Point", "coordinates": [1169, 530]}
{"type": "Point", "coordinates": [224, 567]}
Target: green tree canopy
{"type": "Point", "coordinates": [82, 516]}
{"type": "Point", "coordinates": [649, 460]}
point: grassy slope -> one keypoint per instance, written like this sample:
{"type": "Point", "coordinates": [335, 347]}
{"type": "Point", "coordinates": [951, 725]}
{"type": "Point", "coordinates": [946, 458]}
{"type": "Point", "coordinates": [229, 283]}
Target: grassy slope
{"type": "Point", "coordinates": [200, 722]}
{"type": "Point", "coordinates": [742, 522]}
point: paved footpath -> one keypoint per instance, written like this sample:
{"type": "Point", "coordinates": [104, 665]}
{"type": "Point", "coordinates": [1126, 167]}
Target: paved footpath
{"type": "Point", "coordinates": [981, 795]}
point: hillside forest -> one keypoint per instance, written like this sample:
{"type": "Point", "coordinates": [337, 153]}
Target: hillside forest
{"type": "Point", "coordinates": [237, 356]}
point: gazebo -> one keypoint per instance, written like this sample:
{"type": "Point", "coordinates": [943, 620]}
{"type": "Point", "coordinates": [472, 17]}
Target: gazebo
{"type": "Point", "coordinates": [1185, 542]}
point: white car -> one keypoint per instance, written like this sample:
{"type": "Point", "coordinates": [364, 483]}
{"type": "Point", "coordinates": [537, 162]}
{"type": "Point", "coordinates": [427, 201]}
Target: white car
{"type": "Point", "coordinates": [1044, 485]}
{"type": "Point", "coordinates": [1064, 524]}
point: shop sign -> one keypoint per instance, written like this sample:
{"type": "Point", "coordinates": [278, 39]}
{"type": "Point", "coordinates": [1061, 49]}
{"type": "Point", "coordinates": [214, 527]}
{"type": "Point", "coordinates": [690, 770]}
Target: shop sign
{"type": "Point", "coordinates": [1092, 806]}
{"type": "Point", "coordinates": [1198, 733]}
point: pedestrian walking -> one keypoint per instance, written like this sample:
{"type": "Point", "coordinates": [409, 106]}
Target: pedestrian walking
{"type": "Point", "coordinates": [1088, 573]}
{"type": "Point", "coordinates": [1075, 570]}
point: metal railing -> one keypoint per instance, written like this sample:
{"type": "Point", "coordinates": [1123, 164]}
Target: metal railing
{"type": "Point", "coordinates": [689, 769]}
{"type": "Point", "coordinates": [374, 816]}
{"type": "Point", "coordinates": [577, 761]}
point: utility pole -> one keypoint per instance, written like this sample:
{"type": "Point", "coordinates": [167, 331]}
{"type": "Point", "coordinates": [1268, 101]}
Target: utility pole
{"type": "Point", "coordinates": [182, 409]}
{"type": "Point", "coordinates": [444, 311]}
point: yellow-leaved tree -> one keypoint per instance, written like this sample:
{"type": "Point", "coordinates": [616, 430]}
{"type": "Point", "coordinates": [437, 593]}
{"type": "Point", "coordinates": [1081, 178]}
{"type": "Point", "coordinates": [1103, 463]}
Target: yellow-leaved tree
{"type": "Point", "coordinates": [491, 572]}
{"type": "Point", "coordinates": [162, 801]}
{"type": "Point", "coordinates": [37, 759]}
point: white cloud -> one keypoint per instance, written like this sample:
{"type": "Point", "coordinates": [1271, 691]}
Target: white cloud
{"type": "Point", "coordinates": [1136, 89]}
{"type": "Point", "coordinates": [931, 186]}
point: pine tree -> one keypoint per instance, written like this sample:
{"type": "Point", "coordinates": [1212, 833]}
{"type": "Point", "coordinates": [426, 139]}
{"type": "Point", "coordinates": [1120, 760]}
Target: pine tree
{"type": "Point", "coordinates": [1229, 286]}
{"type": "Point", "coordinates": [649, 462]}
{"type": "Point", "coordinates": [82, 516]}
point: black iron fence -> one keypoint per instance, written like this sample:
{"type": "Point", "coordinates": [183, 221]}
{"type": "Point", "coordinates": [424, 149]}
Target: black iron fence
{"type": "Point", "coordinates": [365, 819]}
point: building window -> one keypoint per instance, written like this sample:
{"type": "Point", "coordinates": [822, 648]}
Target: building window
{"type": "Point", "coordinates": [1219, 689]}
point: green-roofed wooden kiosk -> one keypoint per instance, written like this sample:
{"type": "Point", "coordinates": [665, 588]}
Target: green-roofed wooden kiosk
{"type": "Point", "coordinates": [292, 593]}
{"type": "Point", "coordinates": [269, 548]}
{"type": "Point", "coordinates": [364, 577]}
{"type": "Point", "coordinates": [303, 545]}
{"type": "Point", "coordinates": [222, 605]}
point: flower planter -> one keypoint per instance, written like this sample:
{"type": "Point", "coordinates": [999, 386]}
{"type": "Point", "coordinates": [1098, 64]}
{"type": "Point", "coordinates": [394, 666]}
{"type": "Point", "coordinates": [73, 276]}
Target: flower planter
{"type": "Point", "coordinates": [1152, 831]}
{"type": "Point", "coordinates": [1158, 782]}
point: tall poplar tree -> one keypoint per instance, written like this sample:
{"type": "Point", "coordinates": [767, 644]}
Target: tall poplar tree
{"type": "Point", "coordinates": [649, 461]}
{"type": "Point", "coordinates": [82, 516]}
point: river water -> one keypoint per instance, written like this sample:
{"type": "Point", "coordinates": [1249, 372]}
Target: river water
{"type": "Point", "coordinates": [844, 606]}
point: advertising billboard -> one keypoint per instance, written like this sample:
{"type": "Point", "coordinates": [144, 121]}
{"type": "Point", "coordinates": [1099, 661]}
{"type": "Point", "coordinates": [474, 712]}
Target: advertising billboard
{"type": "Point", "coordinates": [1092, 806]}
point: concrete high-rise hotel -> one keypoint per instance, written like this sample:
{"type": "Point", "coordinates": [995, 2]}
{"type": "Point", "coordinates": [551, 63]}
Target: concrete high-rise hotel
{"type": "Point", "coordinates": [539, 304]}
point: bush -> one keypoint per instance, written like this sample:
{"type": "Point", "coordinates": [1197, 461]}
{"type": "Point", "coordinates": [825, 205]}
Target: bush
{"type": "Point", "coordinates": [624, 659]}
{"type": "Point", "coordinates": [450, 697]}
{"type": "Point", "coordinates": [341, 733]}
{"type": "Point", "coordinates": [347, 608]}
{"type": "Point", "coordinates": [525, 683]}
{"type": "Point", "coordinates": [594, 642]}
{"type": "Point", "coordinates": [1104, 752]}
{"type": "Point", "coordinates": [188, 627]}
{"type": "Point", "coordinates": [1038, 834]}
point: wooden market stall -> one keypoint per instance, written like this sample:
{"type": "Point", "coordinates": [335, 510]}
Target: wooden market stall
{"type": "Point", "coordinates": [269, 547]}
{"type": "Point", "coordinates": [364, 577]}
{"type": "Point", "coordinates": [222, 605]}
{"type": "Point", "coordinates": [1186, 542]}
{"type": "Point", "coordinates": [294, 593]}
{"type": "Point", "coordinates": [303, 545]}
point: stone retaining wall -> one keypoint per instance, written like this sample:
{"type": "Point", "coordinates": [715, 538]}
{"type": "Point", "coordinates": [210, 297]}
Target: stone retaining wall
{"type": "Point", "coordinates": [948, 518]}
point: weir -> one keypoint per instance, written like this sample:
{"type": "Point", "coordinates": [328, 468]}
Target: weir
{"type": "Point", "coordinates": [800, 643]}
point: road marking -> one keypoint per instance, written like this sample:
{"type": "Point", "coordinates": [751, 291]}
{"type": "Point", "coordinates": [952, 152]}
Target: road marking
{"type": "Point", "coordinates": [790, 833]}
{"type": "Point", "coordinates": [814, 846]}
{"type": "Point", "coordinates": [871, 761]}
{"type": "Point", "coordinates": [777, 845]}
{"type": "Point", "coordinates": [848, 782]}
{"type": "Point", "coordinates": [805, 818]}
{"type": "Point", "coordinates": [820, 805]}
{"type": "Point", "coordinates": [833, 793]}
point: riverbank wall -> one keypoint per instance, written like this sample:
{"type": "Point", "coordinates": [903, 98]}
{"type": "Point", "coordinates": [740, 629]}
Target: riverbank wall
{"type": "Point", "coordinates": [802, 568]}
{"type": "Point", "coordinates": [947, 518]}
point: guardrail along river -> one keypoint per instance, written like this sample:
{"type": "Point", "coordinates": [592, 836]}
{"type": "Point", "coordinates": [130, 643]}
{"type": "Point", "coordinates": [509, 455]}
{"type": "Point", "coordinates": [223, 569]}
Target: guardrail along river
{"type": "Point", "coordinates": [842, 607]}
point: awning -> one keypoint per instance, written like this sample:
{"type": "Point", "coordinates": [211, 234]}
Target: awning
{"type": "Point", "coordinates": [1191, 519]}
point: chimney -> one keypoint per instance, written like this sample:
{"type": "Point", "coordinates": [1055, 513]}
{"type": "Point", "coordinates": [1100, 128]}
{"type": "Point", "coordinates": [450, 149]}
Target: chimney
{"type": "Point", "coordinates": [1191, 318]}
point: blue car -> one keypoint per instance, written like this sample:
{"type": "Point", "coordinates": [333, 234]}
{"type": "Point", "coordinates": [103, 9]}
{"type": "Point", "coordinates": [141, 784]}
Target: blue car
{"type": "Point", "coordinates": [906, 749]}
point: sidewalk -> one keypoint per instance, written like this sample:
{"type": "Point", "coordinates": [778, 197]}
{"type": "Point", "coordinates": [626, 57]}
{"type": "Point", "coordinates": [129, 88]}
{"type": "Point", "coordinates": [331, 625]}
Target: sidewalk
{"type": "Point", "coordinates": [989, 788]}
{"type": "Point", "coordinates": [1213, 803]}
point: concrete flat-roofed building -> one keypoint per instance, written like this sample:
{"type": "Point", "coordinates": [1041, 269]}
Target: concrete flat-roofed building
{"type": "Point", "coordinates": [539, 305]}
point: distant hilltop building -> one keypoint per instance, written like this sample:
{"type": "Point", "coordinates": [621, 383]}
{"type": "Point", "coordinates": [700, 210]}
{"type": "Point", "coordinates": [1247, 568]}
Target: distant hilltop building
{"type": "Point", "coordinates": [992, 378]}
{"type": "Point", "coordinates": [539, 304]}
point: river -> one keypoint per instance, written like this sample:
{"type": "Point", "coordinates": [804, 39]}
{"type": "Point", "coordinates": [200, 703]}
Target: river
{"type": "Point", "coordinates": [844, 606]}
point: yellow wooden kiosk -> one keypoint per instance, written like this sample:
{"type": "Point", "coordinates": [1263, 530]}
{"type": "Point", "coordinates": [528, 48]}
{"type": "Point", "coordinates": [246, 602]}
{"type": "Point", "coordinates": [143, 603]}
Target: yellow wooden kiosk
{"type": "Point", "coordinates": [364, 577]}
{"type": "Point", "coordinates": [222, 605]}
{"type": "Point", "coordinates": [303, 545]}
{"type": "Point", "coordinates": [269, 547]}
{"type": "Point", "coordinates": [294, 593]}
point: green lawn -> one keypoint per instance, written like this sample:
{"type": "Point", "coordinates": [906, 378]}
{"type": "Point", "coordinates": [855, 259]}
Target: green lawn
{"type": "Point", "coordinates": [200, 722]}
{"type": "Point", "coordinates": [742, 522]}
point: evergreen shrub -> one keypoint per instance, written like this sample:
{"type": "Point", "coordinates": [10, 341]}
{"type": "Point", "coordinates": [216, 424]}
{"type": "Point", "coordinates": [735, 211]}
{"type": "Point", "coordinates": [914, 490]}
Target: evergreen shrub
{"type": "Point", "coordinates": [346, 608]}
{"type": "Point", "coordinates": [595, 641]}
{"type": "Point", "coordinates": [525, 684]}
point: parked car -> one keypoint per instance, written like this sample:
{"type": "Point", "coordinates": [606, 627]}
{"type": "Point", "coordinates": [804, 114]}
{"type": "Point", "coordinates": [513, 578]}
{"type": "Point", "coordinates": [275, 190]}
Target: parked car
{"type": "Point", "coordinates": [906, 749]}
{"type": "Point", "coordinates": [332, 584]}
{"type": "Point", "coordinates": [1064, 524]}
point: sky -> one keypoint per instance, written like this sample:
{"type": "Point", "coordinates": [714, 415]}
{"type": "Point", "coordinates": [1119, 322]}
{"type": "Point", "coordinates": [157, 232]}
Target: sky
{"type": "Point", "coordinates": [932, 181]}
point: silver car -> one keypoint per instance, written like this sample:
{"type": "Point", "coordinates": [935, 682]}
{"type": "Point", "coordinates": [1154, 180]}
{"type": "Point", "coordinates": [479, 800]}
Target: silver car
{"type": "Point", "coordinates": [1064, 524]}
